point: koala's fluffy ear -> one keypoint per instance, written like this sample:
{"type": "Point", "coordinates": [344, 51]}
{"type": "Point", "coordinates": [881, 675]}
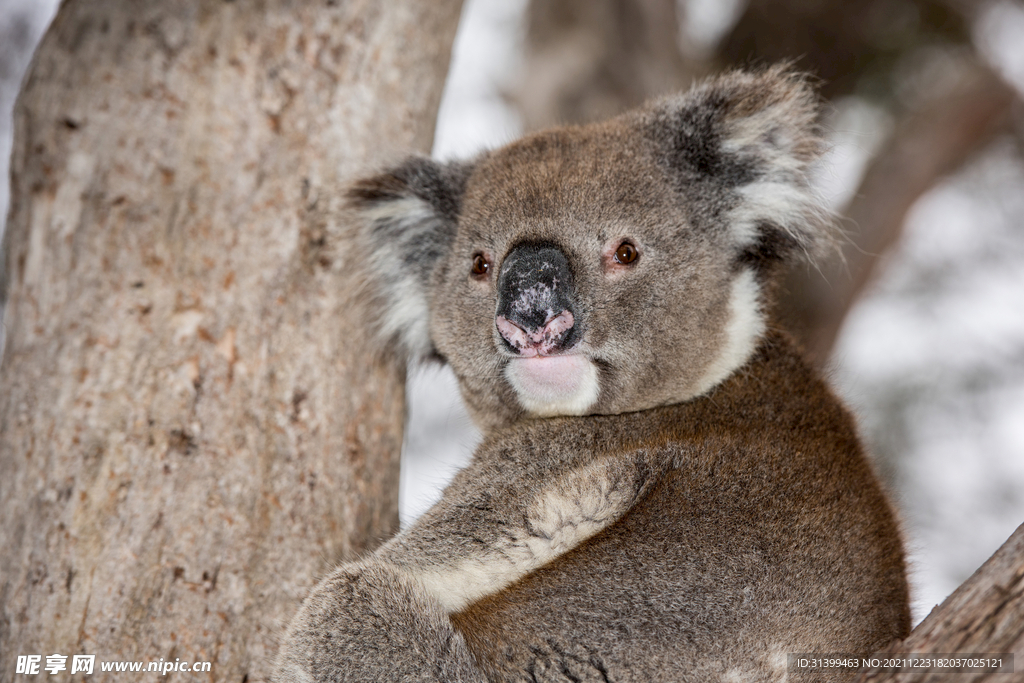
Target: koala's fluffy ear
{"type": "Point", "coordinates": [408, 218]}
{"type": "Point", "coordinates": [754, 135]}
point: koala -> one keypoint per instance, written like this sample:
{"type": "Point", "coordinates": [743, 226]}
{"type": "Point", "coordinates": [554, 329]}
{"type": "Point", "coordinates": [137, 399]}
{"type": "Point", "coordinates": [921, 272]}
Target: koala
{"type": "Point", "coordinates": [665, 490]}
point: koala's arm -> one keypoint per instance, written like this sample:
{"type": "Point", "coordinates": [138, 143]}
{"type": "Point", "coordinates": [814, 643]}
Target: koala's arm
{"type": "Point", "coordinates": [501, 520]}
{"type": "Point", "coordinates": [369, 622]}
{"type": "Point", "coordinates": [386, 617]}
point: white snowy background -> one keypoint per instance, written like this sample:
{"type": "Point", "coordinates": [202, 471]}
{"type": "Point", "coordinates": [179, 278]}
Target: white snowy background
{"type": "Point", "coordinates": [931, 358]}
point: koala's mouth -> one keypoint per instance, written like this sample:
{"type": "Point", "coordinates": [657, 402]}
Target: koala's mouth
{"type": "Point", "coordinates": [554, 385]}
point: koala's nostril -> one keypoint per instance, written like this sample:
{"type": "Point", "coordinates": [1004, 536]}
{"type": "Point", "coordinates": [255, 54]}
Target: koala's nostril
{"type": "Point", "coordinates": [558, 324]}
{"type": "Point", "coordinates": [512, 333]}
{"type": "Point", "coordinates": [546, 339]}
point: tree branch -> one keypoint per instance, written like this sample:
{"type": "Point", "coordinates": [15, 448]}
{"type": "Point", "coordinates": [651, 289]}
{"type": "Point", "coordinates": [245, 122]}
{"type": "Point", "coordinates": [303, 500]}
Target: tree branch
{"type": "Point", "coordinates": [927, 144]}
{"type": "Point", "coordinates": [984, 615]}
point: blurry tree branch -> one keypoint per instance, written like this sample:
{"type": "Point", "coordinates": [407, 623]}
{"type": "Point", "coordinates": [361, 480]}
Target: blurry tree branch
{"type": "Point", "coordinates": [927, 144]}
{"type": "Point", "coordinates": [853, 46]}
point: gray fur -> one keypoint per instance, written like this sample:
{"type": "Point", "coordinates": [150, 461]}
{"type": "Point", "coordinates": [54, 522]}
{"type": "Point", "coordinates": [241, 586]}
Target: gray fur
{"type": "Point", "coordinates": [409, 221]}
{"type": "Point", "coordinates": [693, 502]}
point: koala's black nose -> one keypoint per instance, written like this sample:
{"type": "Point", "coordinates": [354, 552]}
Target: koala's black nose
{"type": "Point", "coordinates": [535, 300]}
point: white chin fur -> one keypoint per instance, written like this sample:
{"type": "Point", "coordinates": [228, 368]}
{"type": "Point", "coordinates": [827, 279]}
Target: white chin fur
{"type": "Point", "coordinates": [743, 331]}
{"type": "Point", "coordinates": [554, 385]}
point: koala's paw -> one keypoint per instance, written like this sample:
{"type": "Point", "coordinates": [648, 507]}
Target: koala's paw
{"type": "Point", "coordinates": [367, 622]}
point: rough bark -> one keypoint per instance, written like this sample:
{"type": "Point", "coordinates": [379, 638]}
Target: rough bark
{"type": "Point", "coordinates": [984, 615]}
{"type": "Point", "coordinates": [191, 426]}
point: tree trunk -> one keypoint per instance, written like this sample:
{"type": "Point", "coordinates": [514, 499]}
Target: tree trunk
{"type": "Point", "coordinates": [192, 427]}
{"type": "Point", "coordinates": [983, 616]}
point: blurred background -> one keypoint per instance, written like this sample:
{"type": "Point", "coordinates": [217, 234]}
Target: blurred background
{"type": "Point", "coordinates": [921, 329]}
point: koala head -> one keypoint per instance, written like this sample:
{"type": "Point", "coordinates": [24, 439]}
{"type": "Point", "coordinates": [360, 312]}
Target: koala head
{"type": "Point", "coordinates": [604, 268]}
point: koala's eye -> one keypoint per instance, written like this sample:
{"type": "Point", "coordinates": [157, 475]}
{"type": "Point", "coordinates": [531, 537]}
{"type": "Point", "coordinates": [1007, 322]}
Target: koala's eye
{"type": "Point", "coordinates": [480, 265]}
{"type": "Point", "coordinates": [626, 253]}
